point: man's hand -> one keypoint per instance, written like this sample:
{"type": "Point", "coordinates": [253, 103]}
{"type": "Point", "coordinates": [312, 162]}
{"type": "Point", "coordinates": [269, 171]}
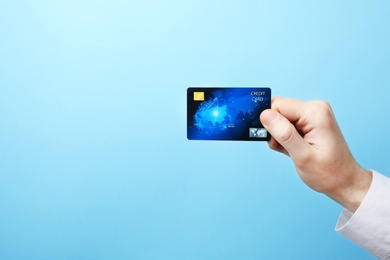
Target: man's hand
{"type": "Point", "coordinates": [308, 132]}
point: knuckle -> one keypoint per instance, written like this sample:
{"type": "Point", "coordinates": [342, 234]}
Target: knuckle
{"type": "Point", "coordinates": [322, 106]}
{"type": "Point", "coordinates": [323, 103]}
{"type": "Point", "coordinates": [287, 135]}
{"type": "Point", "coordinates": [322, 110]}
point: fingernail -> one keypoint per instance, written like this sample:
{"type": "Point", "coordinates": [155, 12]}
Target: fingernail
{"type": "Point", "coordinates": [268, 116]}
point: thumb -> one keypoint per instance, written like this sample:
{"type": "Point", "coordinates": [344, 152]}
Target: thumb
{"type": "Point", "coordinates": [285, 134]}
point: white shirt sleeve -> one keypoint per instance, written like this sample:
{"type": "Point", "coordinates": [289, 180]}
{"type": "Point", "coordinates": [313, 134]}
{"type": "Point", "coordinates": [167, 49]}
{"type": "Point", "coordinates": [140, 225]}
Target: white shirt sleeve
{"type": "Point", "coordinates": [369, 226]}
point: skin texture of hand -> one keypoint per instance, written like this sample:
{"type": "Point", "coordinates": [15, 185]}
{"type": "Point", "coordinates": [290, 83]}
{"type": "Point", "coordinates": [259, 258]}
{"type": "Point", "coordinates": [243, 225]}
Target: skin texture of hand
{"type": "Point", "coordinates": [308, 132]}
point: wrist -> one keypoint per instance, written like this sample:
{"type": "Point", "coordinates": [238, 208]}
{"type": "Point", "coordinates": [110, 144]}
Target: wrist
{"type": "Point", "coordinates": [351, 194]}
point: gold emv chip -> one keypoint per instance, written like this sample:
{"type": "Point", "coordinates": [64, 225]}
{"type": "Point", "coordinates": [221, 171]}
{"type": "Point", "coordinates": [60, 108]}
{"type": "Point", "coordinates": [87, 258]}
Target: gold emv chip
{"type": "Point", "coordinates": [198, 96]}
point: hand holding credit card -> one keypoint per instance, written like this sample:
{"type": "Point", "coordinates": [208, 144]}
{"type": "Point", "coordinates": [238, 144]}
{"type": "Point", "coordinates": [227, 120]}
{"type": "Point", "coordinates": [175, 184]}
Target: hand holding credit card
{"type": "Point", "coordinates": [227, 113]}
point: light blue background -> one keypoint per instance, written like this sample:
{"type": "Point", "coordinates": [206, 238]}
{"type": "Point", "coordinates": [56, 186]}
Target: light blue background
{"type": "Point", "coordinates": [94, 160]}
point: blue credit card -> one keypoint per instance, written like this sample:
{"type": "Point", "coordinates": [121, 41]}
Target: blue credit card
{"type": "Point", "coordinates": [227, 113]}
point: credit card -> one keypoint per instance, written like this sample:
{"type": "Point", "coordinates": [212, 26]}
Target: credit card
{"type": "Point", "coordinates": [227, 113]}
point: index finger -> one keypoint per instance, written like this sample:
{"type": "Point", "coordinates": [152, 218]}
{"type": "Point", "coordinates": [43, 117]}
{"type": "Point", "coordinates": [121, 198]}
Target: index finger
{"type": "Point", "coordinates": [291, 109]}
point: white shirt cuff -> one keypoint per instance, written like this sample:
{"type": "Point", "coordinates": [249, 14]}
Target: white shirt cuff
{"type": "Point", "coordinates": [369, 226]}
